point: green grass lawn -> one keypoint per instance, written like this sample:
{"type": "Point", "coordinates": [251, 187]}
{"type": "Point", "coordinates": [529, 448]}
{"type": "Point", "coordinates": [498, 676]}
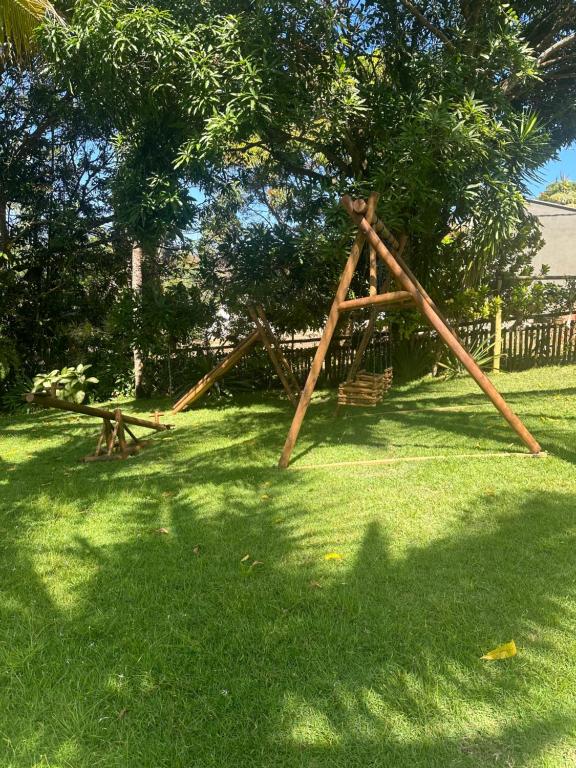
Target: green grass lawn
{"type": "Point", "coordinates": [230, 640]}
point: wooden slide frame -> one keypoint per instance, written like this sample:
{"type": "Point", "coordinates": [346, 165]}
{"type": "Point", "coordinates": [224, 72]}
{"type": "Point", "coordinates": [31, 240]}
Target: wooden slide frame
{"type": "Point", "coordinates": [374, 232]}
{"type": "Point", "coordinates": [263, 333]}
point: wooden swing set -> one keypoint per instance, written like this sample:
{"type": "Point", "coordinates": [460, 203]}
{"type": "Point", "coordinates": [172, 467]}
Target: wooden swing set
{"type": "Point", "coordinates": [362, 388]}
{"type": "Point", "coordinates": [262, 332]}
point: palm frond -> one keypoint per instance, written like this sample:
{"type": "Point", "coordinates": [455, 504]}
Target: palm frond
{"type": "Point", "coordinates": [18, 20]}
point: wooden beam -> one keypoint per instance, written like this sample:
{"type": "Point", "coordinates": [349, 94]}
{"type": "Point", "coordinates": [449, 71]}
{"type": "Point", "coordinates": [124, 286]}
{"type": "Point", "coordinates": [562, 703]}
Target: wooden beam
{"type": "Point", "coordinates": [361, 206]}
{"type": "Point", "coordinates": [216, 373]}
{"type": "Point", "coordinates": [47, 401]}
{"type": "Point", "coordinates": [327, 334]}
{"type": "Point", "coordinates": [393, 297]}
{"type": "Point", "coordinates": [445, 333]}
{"type": "Point", "coordinates": [362, 347]}
{"type": "Point", "coordinates": [269, 342]}
{"type": "Point", "coordinates": [292, 380]}
{"type": "Point", "coordinates": [373, 259]}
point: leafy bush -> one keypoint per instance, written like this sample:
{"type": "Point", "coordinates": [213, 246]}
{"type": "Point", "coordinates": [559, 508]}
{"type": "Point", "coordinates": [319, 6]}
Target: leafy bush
{"type": "Point", "coordinates": [12, 399]}
{"type": "Point", "coordinates": [68, 384]}
{"type": "Point", "coordinates": [481, 351]}
{"type": "Point", "coordinates": [9, 359]}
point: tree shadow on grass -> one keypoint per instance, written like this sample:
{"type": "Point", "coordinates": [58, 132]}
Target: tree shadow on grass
{"type": "Point", "coordinates": [174, 650]}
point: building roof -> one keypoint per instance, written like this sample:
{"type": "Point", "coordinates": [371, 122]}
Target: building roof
{"type": "Point", "coordinates": [566, 209]}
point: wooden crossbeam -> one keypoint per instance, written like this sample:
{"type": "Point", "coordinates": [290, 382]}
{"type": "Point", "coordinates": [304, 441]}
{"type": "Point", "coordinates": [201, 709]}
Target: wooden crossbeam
{"type": "Point", "coordinates": [398, 298]}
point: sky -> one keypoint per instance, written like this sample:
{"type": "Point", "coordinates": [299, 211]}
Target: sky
{"type": "Point", "coordinates": [564, 166]}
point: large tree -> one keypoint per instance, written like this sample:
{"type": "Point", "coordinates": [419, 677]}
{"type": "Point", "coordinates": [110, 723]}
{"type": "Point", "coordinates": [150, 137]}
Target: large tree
{"type": "Point", "coordinates": [58, 268]}
{"type": "Point", "coordinates": [446, 108]}
{"type": "Point", "coordinates": [153, 84]}
{"type": "Point", "coordinates": [274, 109]}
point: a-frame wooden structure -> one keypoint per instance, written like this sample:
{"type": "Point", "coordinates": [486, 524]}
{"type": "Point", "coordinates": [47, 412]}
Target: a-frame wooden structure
{"type": "Point", "coordinates": [384, 245]}
{"type": "Point", "coordinates": [263, 333]}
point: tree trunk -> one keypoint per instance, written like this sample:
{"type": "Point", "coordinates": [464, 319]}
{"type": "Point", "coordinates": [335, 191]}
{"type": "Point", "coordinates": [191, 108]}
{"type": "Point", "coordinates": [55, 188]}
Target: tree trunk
{"type": "Point", "coordinates": [137, 259]}
{"type": "Point", "coordinates": [4, 232]}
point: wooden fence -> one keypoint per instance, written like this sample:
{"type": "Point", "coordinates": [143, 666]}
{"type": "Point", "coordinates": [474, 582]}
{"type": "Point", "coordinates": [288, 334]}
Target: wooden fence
{"type": "Point", "coordinates": [526, 346]}
{"type": "Point", "coordinates": [539, 345]}
{"type": "Point", "coordinates": [257, 369]}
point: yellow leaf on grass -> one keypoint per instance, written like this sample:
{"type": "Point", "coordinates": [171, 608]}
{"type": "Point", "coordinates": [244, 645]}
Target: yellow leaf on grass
{"type": "Point", "coordinates": [505, 651]}
{"type": "Point", "coordinates": [246, 557]}
{"type": "Point", "coordinates": [333, 556]}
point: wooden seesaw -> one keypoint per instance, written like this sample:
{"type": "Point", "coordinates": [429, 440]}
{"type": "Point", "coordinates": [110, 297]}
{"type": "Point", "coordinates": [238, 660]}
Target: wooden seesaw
{"type": "Point", "coordinates": [112, 443]}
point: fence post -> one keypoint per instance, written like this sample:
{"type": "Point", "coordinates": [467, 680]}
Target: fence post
{"type": "Point", "coordinates": [497, 349]}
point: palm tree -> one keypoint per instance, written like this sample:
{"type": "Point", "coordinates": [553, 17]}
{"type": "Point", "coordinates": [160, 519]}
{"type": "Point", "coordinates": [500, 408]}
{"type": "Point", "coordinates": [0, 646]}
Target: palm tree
{"type": "Point", "coordinates": [18, 19]}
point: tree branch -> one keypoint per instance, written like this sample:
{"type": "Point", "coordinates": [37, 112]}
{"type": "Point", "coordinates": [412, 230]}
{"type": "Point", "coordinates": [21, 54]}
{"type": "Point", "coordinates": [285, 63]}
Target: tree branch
{"type": "Point", "coordinates": [555, 47]}
{"type": "Point", "coordinates": [428, 24]}
{"type": "Point", "coordinates": [300, 170]}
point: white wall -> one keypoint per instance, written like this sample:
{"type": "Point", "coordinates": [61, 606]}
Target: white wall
{"type": "Point", "coordinates": [559, 233]}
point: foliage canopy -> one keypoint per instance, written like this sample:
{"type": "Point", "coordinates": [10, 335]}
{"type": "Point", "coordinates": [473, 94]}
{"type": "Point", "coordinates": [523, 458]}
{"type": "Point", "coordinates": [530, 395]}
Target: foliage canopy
{"type": "Point", "coordinates": [246, 120]}
{"type": "Point", "coordinates": [562, 191]}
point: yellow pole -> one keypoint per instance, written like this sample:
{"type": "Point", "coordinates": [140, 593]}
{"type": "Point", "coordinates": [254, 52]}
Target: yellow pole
{"type": "Point", "coordinates": [497, 351]}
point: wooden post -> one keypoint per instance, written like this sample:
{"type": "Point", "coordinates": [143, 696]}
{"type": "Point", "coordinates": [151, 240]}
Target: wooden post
{"type": "Point", "coordinates": [362, 347]}
{"type": "Point", "coordinates": [292, 380]}
{"type": "Point", "coordinates": [103, 436]}
{"type": "Point", "coordinates": [268, 341]}
{"type": "Point", "coordinates": [327, 334]}
{"type": "Point", "coordinates": [112, 439]}
{"type": "Point", "coordinates": [497, 350]}
{"type": "Point", "coordinates": [120, 431]}
{"type": "Point", "coordinates": [431, 314]}
{"type": "Point", "coordinates": [373, 272]}
{"type": "Point", "coordinates": [109, 435]}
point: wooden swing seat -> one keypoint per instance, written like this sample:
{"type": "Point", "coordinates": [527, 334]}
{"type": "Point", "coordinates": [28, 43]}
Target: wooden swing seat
{"type": "Point", "coordinates": [365, 389]}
